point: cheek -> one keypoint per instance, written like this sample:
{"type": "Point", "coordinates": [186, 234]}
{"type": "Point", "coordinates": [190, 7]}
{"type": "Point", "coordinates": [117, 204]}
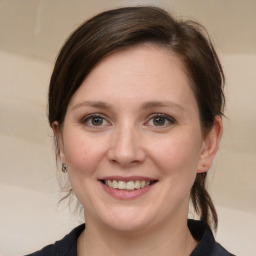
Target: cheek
{"type": "Point", "coordinates": [82, 153]}
{"type": "Point", "coordinates": [83, 156]}
{"type": "Point", "coordinates": [178, 156]}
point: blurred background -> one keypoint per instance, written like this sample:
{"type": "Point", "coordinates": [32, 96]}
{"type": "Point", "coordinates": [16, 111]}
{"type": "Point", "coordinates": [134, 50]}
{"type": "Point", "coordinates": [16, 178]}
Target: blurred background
{"type": "Point", "coordinates": [31, 33]}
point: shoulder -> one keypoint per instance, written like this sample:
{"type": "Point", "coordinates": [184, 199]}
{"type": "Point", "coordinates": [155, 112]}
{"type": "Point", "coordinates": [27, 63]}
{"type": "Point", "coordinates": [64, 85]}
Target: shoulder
{"type": "Point", "coordinates": [206, 242]}
{"type": "Point", "coordinates": [63, 247]}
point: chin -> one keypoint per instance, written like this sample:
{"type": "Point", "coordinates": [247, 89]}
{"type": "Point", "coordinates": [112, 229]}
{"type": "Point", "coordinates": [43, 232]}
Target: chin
{"type": "Point", "coordinates": [127, 220]}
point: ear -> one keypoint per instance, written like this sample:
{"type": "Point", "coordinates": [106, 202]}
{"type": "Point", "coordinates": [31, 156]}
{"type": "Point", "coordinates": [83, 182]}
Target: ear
{"type": "Point", "coordinates": [58, 139]}
{"type": "Point", "coordinates": [210, 146]}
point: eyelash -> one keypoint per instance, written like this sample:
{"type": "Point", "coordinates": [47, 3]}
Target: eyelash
{"type": "Point", "coordinates": [89, 118]}
{"type": "Point", "coordinates": [167, 118]}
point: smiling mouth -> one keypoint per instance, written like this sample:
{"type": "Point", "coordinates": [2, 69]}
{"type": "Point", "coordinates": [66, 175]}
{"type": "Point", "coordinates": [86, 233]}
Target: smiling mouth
{"type": "Point", "coordinates": [130, 185]}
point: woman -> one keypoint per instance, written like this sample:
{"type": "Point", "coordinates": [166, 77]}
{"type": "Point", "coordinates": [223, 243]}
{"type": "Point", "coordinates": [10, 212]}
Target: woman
{"type": "Point", "coordinates": [135, 103]}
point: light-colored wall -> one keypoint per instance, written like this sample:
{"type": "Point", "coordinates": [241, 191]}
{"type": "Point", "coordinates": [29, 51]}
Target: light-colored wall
{"type": "Point", "coordinates": [29, 215]}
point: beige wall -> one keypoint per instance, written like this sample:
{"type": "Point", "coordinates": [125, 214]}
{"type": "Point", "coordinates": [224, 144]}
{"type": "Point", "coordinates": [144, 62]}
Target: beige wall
{"type": "Point", "coordinates": [29, 214]}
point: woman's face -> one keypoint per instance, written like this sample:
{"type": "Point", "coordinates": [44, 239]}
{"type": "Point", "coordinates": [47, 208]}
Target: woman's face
{"type": "Point", "coordinates": [132, 140]}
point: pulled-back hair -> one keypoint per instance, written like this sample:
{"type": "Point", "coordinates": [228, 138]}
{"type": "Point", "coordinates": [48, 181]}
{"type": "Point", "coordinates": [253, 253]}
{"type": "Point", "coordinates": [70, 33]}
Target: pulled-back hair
{"type": "Point", "coordinates": [113, 30]}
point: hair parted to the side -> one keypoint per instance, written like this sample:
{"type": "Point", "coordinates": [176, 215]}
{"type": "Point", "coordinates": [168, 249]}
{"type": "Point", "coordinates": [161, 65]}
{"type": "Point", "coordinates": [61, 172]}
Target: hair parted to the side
{"type": "Point", "coordinates": [125, 27]}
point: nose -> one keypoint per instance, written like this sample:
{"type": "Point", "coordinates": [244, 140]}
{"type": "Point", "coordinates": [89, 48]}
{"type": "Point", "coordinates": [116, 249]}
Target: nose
{"type": "Point", "coordinates": [126, 147]}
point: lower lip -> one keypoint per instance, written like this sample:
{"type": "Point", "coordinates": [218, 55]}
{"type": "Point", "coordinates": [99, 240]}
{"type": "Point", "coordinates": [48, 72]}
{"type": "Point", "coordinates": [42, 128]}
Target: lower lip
{"type": "Point", "coordinates": [126, 194]}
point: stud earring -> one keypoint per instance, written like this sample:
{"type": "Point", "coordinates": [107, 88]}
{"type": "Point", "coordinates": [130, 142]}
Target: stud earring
{"type": "Point", "coordinates": [205, 165]}
{"type": "Point", "coordinates": [64, 168]}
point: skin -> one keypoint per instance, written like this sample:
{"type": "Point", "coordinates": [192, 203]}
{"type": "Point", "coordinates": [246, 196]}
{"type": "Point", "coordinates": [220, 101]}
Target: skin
{"type": "Point", "coordinates": [126, 90]}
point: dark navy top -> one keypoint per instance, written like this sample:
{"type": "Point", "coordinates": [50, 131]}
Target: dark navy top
{"type": "Point", "coordinates": [207, 246]}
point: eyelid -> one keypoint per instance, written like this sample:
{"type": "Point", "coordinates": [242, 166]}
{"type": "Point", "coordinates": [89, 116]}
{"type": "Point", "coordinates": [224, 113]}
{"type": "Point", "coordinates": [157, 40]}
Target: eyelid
{"type": "Point", "coordinates": [169, 118]}
{"type": "Point", "coordinates": [86, 118]}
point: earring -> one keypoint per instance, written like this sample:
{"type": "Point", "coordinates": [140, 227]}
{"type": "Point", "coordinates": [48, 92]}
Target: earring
{"type": "Point", "coordinates": [64, 168]}
{"type": "Point", "coordinates": [205, 165]}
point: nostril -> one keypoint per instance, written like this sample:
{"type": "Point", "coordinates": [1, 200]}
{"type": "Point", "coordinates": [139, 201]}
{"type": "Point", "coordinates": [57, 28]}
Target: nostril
{"type": "Point", "coordinates": [125, 158]}
{"type": "Point", "coordinates": [125, 147]}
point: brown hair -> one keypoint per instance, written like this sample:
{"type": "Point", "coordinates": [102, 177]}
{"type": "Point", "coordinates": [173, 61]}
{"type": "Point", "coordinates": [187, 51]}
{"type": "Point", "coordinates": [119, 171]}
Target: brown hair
{"type": "Point", "coordinates": [124, 27]}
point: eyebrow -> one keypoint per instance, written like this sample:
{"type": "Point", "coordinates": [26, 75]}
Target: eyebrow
{"type": "Point", "coordinates": [94, 104]}
{"type": "Point", "coordinates": [145, 106]}
{"type": "Point", "coordinates": [153, 104]}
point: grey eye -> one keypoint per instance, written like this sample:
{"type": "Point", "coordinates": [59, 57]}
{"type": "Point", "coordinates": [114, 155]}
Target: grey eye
{"type": "Point", "coordinates": [159, 121]}
{"type": "Point", "coordinates": [97, 121]}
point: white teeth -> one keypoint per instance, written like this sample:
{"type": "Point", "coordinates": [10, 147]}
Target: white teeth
{"type": "Point", "coordinates": [121, 185]}
{"type": "Point", "coordinates": [142, 183]}
{"type": "Point", "coordinates": [137, 184]}
{"type": "Point", "coordinates": [130, 185]}
{"type": "Point", "coordinates": [114, 184]}
{"type": "Point", "coordinates": [109, 183]}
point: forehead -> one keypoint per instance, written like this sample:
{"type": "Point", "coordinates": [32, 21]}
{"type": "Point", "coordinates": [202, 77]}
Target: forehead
{"type": "Point", "coordinates": [140, 72]}
{"type": "Point", "coordinates": [142, 56]}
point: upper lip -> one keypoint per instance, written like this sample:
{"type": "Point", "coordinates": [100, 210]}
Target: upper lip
{"type": "Point", "coordinates": [126, 179]}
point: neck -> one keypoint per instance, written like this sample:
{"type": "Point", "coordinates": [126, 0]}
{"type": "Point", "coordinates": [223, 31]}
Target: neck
{"type": "Point", "coordinates": [171, 239]}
